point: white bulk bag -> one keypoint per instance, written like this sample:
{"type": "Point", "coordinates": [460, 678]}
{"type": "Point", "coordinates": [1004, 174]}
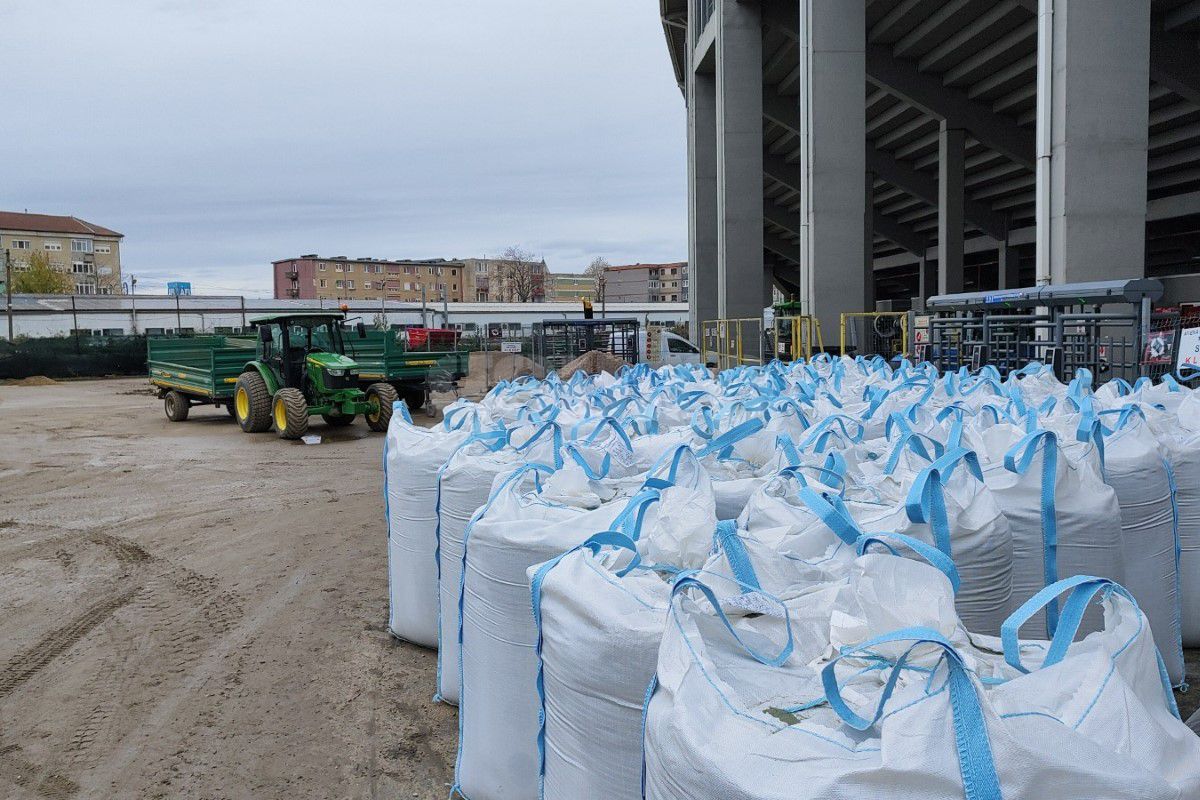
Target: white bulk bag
{"type": "Point", "coordinates": [1137, 471]}
{"type": "Point", "coordinates": [464, 485]}
{"type": "Point", "coordinates": [1064, 519]}
{"type": "Point", "coordinates": [1096, 723]}
{"type": "Point", "coordinates": [1179, 435]}
{"type": "Point", "coordinates": [412, 456]}
{"type": "Point", "coordinates": [498, 702]}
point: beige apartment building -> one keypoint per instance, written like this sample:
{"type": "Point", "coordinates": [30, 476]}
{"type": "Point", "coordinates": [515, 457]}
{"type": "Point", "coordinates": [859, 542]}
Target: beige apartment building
{"type": "Point", "coordinates": [491, 280]}
{"type": "Point", "coordinates": [313, 277]}
{"type": "Point", "coordinates": [88, 253]}
{"type": "Point", "coordinates": [647, 283]}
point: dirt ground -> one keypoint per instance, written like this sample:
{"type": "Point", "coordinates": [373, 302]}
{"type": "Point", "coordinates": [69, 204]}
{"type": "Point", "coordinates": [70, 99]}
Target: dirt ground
{"type": "Point", "coordinates": [192, 612]}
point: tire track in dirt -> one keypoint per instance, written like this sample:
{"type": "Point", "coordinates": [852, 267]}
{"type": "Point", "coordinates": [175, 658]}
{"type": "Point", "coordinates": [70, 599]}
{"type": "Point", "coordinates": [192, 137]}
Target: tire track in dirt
{"type": "Point", "coordinates": [16, 769]}
{"type": "Point", "coordinates": [26, 664]}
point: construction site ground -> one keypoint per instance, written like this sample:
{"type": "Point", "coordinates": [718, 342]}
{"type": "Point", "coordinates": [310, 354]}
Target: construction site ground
{"type": "Point", "coordinates": [193, 612]}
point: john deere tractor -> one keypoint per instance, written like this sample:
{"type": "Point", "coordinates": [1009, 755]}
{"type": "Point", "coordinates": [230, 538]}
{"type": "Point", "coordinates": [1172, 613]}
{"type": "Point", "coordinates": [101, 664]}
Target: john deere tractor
{"type": "Point", "coordinates": [301, 369]}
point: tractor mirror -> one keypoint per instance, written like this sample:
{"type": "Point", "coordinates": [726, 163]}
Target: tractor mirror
{"type": "Point", "coordinates": [264, 334]}
{"type": "Point", "coordinates": [362, 330]}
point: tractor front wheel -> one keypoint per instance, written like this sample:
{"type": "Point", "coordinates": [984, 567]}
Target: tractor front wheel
{"type": "Point", "coordinates": [252, 403]}
{"type": "Point", "coordinates": [381, 396]}
{"type": "Point", "coordinates": [338, 421]}
{"type": "Point", "coordinates": [290, 413]}
{"type": "Point", "coordinates": [176, 405]}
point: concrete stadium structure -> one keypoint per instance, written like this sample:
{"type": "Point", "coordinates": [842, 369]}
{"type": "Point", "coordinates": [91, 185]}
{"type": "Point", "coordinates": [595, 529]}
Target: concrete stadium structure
{"type": "Point", "coordinates": [850, 151]}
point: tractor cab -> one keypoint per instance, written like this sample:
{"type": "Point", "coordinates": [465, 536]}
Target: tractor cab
{"type": "Point", "coordinates": [307, 350]}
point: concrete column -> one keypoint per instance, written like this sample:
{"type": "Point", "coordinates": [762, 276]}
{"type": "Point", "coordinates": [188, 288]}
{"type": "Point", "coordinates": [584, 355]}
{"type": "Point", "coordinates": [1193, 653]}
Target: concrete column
{"type": "Point", "coordinates": [869, 242]}
{"type": "Point", "coordinates": [1099, 82]}
{"type": "Point", "coordinates": [951, 142]}
{"type": "Point", "coordinates": [703, 288]}
{"type": "Point", "coordinates": [1008, 270]}
{"type": "Point", "coordinates": [739, 150]}
{"type": "Point", "coordinates": [928, 274]}
{"type": "Point", "coordinates": [833, 120]}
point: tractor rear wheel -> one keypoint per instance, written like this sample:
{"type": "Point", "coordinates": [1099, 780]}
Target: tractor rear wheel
{"type": "Point", "coordinates": [176, 405]}
{"type": "Point", "coordinates": [290, 413]}
{"type": "Point", "coordinates": [382, 396]}
{"type": "Point", "coordinates": [252, 403]}
{"type": "Point", "coordinates": [339, 421]}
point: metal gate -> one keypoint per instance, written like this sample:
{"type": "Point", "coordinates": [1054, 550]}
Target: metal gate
{"type": "Point", "coordinates": [882, 333]}
{"type": "Point", "coordinates": [796, 336]}
{"type": "Point", "coordinates": [729, 343]}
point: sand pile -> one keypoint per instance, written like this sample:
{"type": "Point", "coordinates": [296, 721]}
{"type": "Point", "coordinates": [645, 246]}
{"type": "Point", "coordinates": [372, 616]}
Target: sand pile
{"type": "Point", "coordinates": [488, 369]}
{"type": "Point", "coordinates": [591, 362]}
{"type": "Point", "coordinates": [33, 380]}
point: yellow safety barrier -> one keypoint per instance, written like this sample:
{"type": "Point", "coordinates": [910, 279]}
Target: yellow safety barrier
{"type": "Point", "coordinates": [883, 333]}
{"type": "Point", "coordinates": [796, 337]}
{"type": "Point", "coordinates": [732, 342]}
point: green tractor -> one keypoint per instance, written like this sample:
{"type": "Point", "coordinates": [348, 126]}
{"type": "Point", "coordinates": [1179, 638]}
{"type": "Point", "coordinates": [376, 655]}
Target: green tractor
{"type": "Point", "coordinates": [301, 370]}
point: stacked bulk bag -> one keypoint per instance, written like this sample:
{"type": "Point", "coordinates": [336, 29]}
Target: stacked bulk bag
{"type": "Point", "coordinates": [412, 456]}
{"type": "Point", "coordinates": [1063, 518]}
{"type": "Point", "coordinates": [498, 699]}
{"type": "Point", "coordinates": [1141, 478]}
{"type": "Point", "coordinates": [916, 712]}
{"type": "Point", "coordinates": [1179, 435]}
{"type": "Point", "coordinates": [464, 484]}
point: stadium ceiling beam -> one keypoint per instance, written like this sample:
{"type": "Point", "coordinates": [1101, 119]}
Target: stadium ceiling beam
{"type": "Point", "coordinates": [885, 166]}
{"type": "Point", "coordinates": [887, 227]}
{"type": "Point", "coordinates": [925, 91]}
{"type": "Point", "coordinates": [1173, 56]}
{"type": "Point", "coordinates": [781, 247]}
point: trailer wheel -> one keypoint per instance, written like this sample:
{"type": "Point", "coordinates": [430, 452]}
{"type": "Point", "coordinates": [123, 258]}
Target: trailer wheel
{"type": "Point", "coordinates": [252, 403]}
{"type": "Point", "coordinates": [414, 396]}
{"type": "Point", "coordinates": [340, 421]}
{"type": "Point", "coordinates": [176, 405]}
{"type": "Point", "coordinates": [382, 395]}
{"type": "Point", "coordinates": [229, 409]}
{"type": "Point", "coordinates": [290, 413]}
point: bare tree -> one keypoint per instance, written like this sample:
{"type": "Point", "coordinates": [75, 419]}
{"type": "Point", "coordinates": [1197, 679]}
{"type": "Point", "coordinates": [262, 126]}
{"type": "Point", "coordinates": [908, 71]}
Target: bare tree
{"type": "Point", "coordinates": [521, 275]}
{"type": "Point", "coordinates": [595, 270]}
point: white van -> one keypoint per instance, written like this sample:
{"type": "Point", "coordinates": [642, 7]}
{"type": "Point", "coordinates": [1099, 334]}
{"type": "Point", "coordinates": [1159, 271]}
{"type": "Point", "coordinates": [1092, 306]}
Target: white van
{"type": "Point", "coordinates": [659, 347]}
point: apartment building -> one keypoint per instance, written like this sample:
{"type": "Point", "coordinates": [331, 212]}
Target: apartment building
{"type": "Point", "coordinates": [496, 280]}
{"type": "Point", "coordinates": [89, 253]}
{"type": "Point", "coordinates": [314, 277]}
{"type": "Point", "coordinates": [569, 287]}
{"type": "Point", "coordinates": [647, 283]}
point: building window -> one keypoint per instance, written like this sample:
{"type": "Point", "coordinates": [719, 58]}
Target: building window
{"type": "Point", "coordinates": [104, 290]}
{"type": "Point", "coordinates": [53, 247]}
{"type": "Point", "coordinates": [408, 270]}
{"type": "Point", "coordinates": [454, 273]}
{"type": "Point", "coordinates": [81, 245]}
{"type": "Point", "coordinates": [349, 268]}
{"type": "Point", "coordinates": [349, 284]}
{"type": "Point", "coordinates": [367, 284]}
{"type": "Point", "coordinates": [20, 244]}
{"type": "Point", "coordinates": [324, 283]}
{"type": "Point", "coordinates": [321, 266]}
{"type": "Point", "coordinates": [85, 288]}
{"type": "Point", "coordinates": [83, 268]}
{"type": "Point", "coordinates": [339, 268]}
{"type": "Point", "coordinates": [104, 249]}
{"type": "Point", "coordinates": [340, 284]}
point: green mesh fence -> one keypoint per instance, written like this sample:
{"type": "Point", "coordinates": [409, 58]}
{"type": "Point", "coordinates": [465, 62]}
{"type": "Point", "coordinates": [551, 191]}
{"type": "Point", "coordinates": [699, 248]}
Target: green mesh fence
{"type": "Point", "coordinates": [73, 357]}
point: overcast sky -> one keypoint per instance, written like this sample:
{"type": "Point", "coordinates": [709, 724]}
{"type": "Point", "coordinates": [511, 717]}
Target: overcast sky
{"type": "Point", "coordinates": [221, 135]}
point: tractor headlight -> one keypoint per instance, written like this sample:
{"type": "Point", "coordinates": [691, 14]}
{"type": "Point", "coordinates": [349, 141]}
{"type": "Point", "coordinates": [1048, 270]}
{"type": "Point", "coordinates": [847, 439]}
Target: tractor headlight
{"type": "Point", "coordinates": [337, 373]}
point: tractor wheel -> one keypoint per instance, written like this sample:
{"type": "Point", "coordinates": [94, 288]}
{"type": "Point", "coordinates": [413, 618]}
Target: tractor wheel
{"type": "Point", "coordinates": [382, 394]}
{"type": "Point", "coordinates": [415, 397]}
{"type": "Point", "coordinates": [340, 421]}
{"type": "Point", "coordinates": [252, 403]}
{"type": "Point", "coordinates": [290, 413]}
{"type": "Point", "coordinates": [176, 405]}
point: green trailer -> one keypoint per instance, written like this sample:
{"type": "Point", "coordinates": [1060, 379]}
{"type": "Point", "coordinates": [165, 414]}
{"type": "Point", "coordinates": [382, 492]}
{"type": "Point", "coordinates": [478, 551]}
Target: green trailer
{"type": "Point", "coordinates": [199, 370]}
{"type": "Point", "coordinates": [415, 362]}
